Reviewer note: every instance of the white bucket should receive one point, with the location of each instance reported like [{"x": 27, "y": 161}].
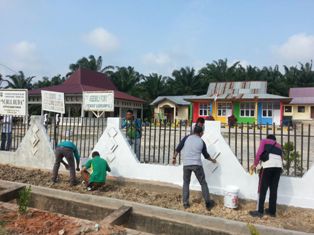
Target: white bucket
[{"x": 231, "y": 199}]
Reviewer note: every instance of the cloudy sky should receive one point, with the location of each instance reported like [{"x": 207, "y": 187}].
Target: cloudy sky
[{"x": 43, "y": 37}]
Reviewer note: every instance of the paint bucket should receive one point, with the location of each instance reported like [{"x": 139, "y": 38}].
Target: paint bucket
[{"x": 231, "y": 198}]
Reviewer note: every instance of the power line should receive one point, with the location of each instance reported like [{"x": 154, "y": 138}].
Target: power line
[{"x": 7, "y": 67}]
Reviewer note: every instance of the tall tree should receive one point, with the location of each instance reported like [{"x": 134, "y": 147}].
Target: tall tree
[
  {"x": 46, "y": 81},
  {"x": 185, "y": 81},
  {"x": 88, "y": 63},
  {"x": 152, "y": 86},
  {"x": 19, "y": 81},
  {"x": 125, "y": 78}
]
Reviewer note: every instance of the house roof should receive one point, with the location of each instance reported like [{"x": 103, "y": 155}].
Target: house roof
[
  {"x": 302, "y": 95},
  {"x": 178, "y": 100},
  {"x": 86, "y": 80},
  {"x": 237, "y": 90}
]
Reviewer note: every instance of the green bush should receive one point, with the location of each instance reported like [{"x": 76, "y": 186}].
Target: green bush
[
  {"x": 292, "y": 160},
  {"x": 24, "y": 198}
]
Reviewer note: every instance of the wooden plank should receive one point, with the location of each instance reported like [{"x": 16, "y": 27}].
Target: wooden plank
[
  {"x": 118, "y": 217},
  {"x": 10, "y": 193}
]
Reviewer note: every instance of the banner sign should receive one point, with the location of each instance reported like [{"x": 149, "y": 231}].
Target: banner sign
[
  {"x": 98, "y": 101},
  {"x": 13, "y": 102},
  {"x": 52, "y": 101}
]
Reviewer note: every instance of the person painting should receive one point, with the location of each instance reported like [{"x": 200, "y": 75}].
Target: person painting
[
  {"x": 270, "y": 155},
  {"x": 69, "y": 151},
  {"x": 99, "y": 167},
  {"x": 191, "y": 147},
  {"x": 200, "y": 122},
  {"x": 133, "y": 131}
]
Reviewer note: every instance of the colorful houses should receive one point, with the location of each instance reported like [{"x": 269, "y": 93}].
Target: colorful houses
[
  {"x": 301, "y": 107},
  {"x": 248, "y": 101}
]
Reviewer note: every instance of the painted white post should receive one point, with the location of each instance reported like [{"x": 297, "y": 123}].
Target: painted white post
[{"x": 114, "y": 122}]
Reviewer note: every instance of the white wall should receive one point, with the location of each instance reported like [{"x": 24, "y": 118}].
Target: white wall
[
  {"x": 35, "y": 151},
  {"x": 113, "y": 145}
]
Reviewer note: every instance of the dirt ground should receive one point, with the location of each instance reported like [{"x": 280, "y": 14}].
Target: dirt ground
[
  {"x": 287, "y": 217},
  {"x": 46, "y": 223}
]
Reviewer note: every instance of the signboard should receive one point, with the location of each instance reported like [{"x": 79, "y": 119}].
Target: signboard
[
  {"x": 13, "y": 102},
  {"x": 98, "y": 101},
  {"x": 52, "y": 101}
]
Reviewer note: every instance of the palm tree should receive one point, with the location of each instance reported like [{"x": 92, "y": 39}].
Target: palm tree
[
  {"x": 125, "y": 78},
  {"x": 186, "y": 82},
  {"x": 88, "y": 63},
  {"x": 153, "y": 86},
  {"x": 19, "y": 81}
]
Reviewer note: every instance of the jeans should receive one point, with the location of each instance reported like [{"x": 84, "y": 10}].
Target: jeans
[
  {"x": 269, "y": 178},
  {"x": 6, "y": 140},
  {"x": 68, "y": 154},
  {"x": 200, "y": 175},
  {"x": 136, "y": 145}
]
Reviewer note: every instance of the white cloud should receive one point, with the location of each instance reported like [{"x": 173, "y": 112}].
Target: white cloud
[
  {"x": 101, "y": 39},
  {"x": 24, "y": 56},
  {"x": 298, "y": 48},
  {"x": 156, "y": 58}
]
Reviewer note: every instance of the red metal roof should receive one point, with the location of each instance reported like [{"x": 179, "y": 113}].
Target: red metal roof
[
  {"x": 87, "y": 80},
  {"x": 301, "y": 92},
  {"x": 302, "y": 95}
]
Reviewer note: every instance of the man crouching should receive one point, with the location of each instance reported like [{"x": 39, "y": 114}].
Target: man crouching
[{"x": 99, "y": 168}]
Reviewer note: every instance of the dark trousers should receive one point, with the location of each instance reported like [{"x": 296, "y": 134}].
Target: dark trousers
[
  {"x": 269, "y": 178},
  {"x": 66, "y": 153},
  {"x": 6, "y": 140},
  {"x": 94, "y": 185},
  {"x": 200, "y": 175}
]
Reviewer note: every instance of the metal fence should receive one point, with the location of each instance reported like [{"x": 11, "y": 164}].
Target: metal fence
[
  {"x": 159, "y": 140},
  {"x": 296, "y": 140},
  {"x": 84, "y": 132},
  {"x": 13, "y": 129}
]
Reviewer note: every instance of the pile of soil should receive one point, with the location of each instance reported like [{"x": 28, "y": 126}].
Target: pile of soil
[
  {"x": 46, "y": 223},
  {"x": 286, "y": 216}
]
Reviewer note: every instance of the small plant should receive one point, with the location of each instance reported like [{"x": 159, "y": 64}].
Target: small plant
[
  {"x": 252, "y": 229},
  {"x": 292, "y": 160},
  {"x": 24, "y": 198}
]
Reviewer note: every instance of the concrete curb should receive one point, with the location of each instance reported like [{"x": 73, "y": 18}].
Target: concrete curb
[{"x": 180, "y": 217}]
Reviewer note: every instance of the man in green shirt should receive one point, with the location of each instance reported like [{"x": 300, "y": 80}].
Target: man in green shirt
[
  {"x": 67, "y": 150},
  {"x": 99, "y": 168}
]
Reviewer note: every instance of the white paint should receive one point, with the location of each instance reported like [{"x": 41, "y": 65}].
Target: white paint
[
  {"x": 123, "y": 162},
  {"x": 276, "y": 116},
  {"x": 35, "y": 151}
]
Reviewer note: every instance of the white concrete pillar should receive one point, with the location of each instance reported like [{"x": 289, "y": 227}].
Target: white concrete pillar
[{"x": 114, "y": 122}]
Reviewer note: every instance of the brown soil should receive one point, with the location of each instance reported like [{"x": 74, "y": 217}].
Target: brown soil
[
  {"x": 287, "y": 217},
  {"x": 46, "y": 223}
]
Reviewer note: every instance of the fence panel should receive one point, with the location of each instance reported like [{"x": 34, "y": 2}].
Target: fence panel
[
  {"x": 13, "y": 129},
  {"x": 83, "y": 132}
]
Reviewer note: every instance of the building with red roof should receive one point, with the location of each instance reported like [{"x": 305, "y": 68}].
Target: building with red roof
[
  {"x": 86, "y": 80},
  {"x": 301, "y": 107}
]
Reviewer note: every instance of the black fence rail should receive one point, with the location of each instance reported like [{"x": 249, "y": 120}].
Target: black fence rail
[
  {"x": 13, "y": 129},
  {"x": 84, "y": 132},
  {"x": 159, "y": 139},
  {"x": 296, "y": 140}
]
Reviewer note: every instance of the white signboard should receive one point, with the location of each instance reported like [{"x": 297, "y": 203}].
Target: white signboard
[
  {"x": 13, "y": 102},
  {"x": 98, "y": 101},
  {"x": 52, "y": 101}
]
